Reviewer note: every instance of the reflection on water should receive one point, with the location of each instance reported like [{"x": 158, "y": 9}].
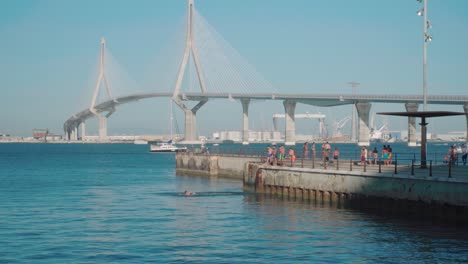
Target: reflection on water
[{"x": 123, "y": 205}]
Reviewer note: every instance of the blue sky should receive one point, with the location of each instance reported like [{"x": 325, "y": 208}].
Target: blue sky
[{"x": 49, "y": 50}]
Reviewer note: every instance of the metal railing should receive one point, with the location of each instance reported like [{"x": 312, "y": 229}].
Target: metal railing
[{"x": 398, "y": 164}]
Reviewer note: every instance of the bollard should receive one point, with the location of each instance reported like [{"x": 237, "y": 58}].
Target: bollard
[
  {"x": 302, "y": 162},
  {"x": 313, "y": 162},
  {"x": 365, "y": 165},
  {"x": 396, "y": 172},
  {"x": 412, "y": 167},
  {"x": 351, "y": 165},
  {"x": 380, "y": 165},
  {"x": 430, "y": 168},
  {"x": 337, "y": 165}
]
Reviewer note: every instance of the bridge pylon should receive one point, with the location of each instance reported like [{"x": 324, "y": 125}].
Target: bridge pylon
[
  {"x": 190, "y": 49},
  {"x": 102, "y": 77}
]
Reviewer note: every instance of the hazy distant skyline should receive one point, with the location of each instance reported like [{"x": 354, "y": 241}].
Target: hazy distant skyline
[{"x": 49, "y": 50}]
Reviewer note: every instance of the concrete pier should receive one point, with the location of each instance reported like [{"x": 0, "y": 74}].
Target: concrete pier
[
  {"x": 363, "y": 110},
  {"x": 411, "y": 107},
  {"x": 431, "y": 197},
  {"x": 290, "y": 130},
  {"x": 245, "y": 121},
  {"x": 229, "y": 166},
  {"x": 377, "y": 188}
]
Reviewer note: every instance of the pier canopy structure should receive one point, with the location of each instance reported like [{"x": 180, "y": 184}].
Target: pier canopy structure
[
  {"x": 423, "y": 115},
  {"x": 222, "y": 73}
]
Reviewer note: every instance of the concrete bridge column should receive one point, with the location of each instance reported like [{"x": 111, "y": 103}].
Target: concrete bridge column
[
  {"x": 102, "y": 128},
  {"x": 83, "y": 130},
  {"x": 363, "y": 110},
  {"x": 72, "y": 133},
  {"x": 465, "y": 107},
  {"x": 290, "y": 131},
  {"x": 190, "y": 125},
  {"x": 66, "y": 133},
  {"x": 245, "y": 122},
  {"x": 75, "y": 133},
  {"x": 411, "y": 107}
]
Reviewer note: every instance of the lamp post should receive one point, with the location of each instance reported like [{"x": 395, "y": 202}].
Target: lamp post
[{"x": 426, "y": 38}]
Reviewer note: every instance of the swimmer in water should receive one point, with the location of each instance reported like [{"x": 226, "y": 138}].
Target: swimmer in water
[{"x": 187, "y": 193}]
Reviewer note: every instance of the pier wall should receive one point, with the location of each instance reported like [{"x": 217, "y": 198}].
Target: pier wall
[
  {"x": 442, "y": 198},
  {"x": 230, "y": 166},
  {"x": 435, "y": 197}
]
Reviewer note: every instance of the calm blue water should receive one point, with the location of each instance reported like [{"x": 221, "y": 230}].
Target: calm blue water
[{"x": 121, "y": 204}]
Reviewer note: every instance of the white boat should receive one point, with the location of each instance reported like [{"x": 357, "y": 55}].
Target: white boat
[{"x": 167, "y": 147}]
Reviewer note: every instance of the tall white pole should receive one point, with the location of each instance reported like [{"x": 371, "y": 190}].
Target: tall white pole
[
  {"x": 172, "y": 117},
  {"x": 425, "y": 39}
]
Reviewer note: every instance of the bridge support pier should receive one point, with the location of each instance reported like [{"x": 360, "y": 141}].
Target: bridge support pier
[
  {"x": 290, "y": 130},
  {"x": 102, "y": 128},
  {"x": 465, "y": 107},
  {"x": 411, "y": 107},
  {"x": 363, "y": 110},
  {"x": 245, "y": 121},
  {"x": 190, "y": 125},
  {"x": 75, "y": 133},
  {"x": 83, "y": 131},
  {"x": 190, "y": 121},
  {"x": 71, "y": 133}
]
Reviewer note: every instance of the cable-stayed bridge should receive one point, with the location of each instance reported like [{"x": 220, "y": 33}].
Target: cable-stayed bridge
[{"x": 221, "y": 73}]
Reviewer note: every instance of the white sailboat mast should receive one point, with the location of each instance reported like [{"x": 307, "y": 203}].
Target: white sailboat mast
[{"x": 172, "y": 118}]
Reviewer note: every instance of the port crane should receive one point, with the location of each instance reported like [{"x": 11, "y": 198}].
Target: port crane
[{"x": 337, "y": 126}]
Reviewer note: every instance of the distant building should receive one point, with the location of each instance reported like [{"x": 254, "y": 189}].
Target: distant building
[
  {"x": 53, "y": 137},
  {"x": 252, "y": 136},
  {"x": 40, "y": 134}
]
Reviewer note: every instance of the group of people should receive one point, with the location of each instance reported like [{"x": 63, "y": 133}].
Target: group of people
[
  {"x": 387, "y": 155},
  {"x": 452, "y": 154},
  {"x": 279, "y": 157}
]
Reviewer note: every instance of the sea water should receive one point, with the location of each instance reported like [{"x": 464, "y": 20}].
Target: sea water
[{"x": 92, "y": 203}]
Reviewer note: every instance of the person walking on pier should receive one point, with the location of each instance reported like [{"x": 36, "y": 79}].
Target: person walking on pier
[
  {"x": 305, "y": 150},
  {"x": 314, "y": 151},
  {"x": 281, "y": 156},
  {"x": 269, "y": 156},
  {"x": 465, "y": 153},
  {"x": 375, "y": 153},
  {"x": 326, "y": 156},
  {"x": 385, "y": 155},
  {"x": 275, "y": 156},
  {"x": 292, "y": 156},
  {"x": 390, "y": 154},
  {"x": 453, "y": 155},
  {"x": 363, "y": 155},
  {"x": 336, "y": 155}
]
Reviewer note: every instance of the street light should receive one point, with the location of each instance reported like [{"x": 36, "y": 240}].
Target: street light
[{"x": 426, "y": 38}]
